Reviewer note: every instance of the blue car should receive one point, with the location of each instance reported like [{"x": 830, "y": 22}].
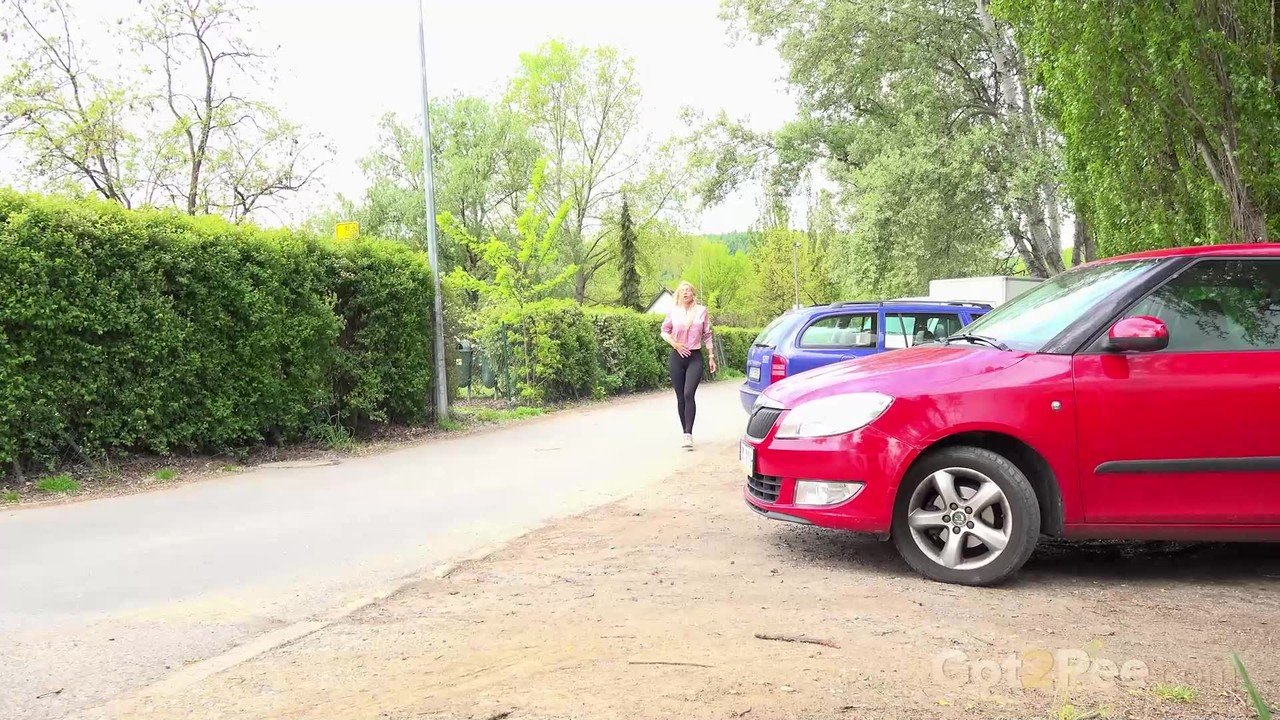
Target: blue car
[{"x": 811, "y": 337}]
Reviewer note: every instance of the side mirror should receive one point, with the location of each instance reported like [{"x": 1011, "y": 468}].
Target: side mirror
[{"x": 1141, "y": 333}]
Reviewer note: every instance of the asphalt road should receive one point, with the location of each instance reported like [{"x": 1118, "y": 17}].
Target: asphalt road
[{"x": 102, "y": 597}]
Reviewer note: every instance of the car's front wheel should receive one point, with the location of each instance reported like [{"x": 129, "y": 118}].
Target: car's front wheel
[{"x": 966, "y": 515}]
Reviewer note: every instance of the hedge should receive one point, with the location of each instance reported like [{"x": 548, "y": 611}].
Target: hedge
[
  {"x": 153, "y": 331},
  {"x": 557, "y": 351},
  {"x": 550, "y": 347}
]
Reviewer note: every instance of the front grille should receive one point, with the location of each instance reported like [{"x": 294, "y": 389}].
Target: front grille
[
  {"x": 764, "y": 487},
  {"x": 762, "y": 421}
]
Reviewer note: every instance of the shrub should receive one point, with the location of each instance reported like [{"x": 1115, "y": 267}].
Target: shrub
[
  {"x": 153, "y": 331},
  {"x": 735, "y": 345},
  {"x": 551, "y": 348},
  {"x": 632, "y": 354}
]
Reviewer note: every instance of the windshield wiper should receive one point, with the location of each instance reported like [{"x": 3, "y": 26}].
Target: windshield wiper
[{"x": 977, "y": 340}]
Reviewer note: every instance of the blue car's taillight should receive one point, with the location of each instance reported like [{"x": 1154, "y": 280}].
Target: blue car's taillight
[{"x": 777, "y": 369}]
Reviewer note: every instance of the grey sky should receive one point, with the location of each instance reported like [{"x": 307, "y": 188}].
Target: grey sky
[{"x": 343, "y": 63}]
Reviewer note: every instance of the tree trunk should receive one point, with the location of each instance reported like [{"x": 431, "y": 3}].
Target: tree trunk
[
  {"x": 1026, "y": 249},
  {"x": 1084, "y": 247},
  {"x": 1038, "y": 234}
]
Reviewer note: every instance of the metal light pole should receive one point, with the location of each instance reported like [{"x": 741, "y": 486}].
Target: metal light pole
[
  {"x": 433, "y": 255},
  {"x": 795, "y": 270}
]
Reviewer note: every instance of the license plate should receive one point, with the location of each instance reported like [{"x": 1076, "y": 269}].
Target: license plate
[
  {"x": 753, "y": 374},
  {"x": 747, "y": 457}
]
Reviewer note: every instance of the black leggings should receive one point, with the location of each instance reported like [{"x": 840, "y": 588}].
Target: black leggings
[{"x": 686, "y": 373}]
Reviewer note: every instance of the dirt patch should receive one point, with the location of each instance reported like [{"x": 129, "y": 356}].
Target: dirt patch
[{"x": 680, "y": 603}]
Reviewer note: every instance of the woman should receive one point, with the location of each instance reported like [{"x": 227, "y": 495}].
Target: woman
[{"x": 686, "y": 329}]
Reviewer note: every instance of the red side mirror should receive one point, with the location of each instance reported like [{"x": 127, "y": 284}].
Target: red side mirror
[{"x": 1141, "y": 333}]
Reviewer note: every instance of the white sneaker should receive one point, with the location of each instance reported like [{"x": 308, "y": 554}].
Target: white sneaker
[{"x": 688, "y": 442}]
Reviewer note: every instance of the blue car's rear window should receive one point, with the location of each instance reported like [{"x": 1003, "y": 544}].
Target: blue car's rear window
[{"x": 774, "y": 331}]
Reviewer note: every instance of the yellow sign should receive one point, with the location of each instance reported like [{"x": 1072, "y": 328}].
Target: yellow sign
[{"x": 347, "y": 230}]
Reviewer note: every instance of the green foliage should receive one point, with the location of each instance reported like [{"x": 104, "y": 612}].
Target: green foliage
[
  {"x": 497, "y": 415},
  {"x": 915, "y": 112},
  {"x": 152, "y": 331},
  {"x": 10, "y": 497},
  {"x": 735, "y": 346},
  {"x": 1169, "y": 111},
  {"x": 165, "y": 474},
  {"x": 62, "y": 484},
  {"x": 773, "y": 285},
  {"x": 632, "y": 353},
  {"x": 552, "y": 349},
  {"x": 1175, "y": 693},
  {"x": 521, "y": 274}
]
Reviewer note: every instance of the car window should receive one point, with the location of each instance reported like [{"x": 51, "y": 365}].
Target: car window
[
  {"x": 841, "y": 331},
  {"x": 1220, "y": 305},
  {"x": 904, "y": 330},
  {"x": 772, "y": 332}
]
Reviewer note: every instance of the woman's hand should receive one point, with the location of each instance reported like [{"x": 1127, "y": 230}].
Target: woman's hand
[
  {"x": 680, "y": 348},
  {"x": 713, "y": 364}
]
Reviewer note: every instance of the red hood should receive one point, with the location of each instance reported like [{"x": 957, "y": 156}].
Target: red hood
[{"x": 900, "y": 373}]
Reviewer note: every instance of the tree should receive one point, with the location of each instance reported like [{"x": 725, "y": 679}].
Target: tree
[
  {"x": 521, "y": 273},
  {"x": 629, "y": 290},
  {"x": 583, "y": 107},
  {"x": 483, "y": 157},
  {"x": 1169, "y": 111},
  {"x": 778, "y": 260},
  {"x": 182, "y": 134},
  {"x": 938, "y": 84}
]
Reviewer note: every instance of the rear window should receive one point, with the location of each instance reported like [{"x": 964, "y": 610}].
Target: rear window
[{"x": 773, "y": 332}]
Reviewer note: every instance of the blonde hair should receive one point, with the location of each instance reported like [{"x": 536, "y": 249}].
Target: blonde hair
[{"x": 680, "y": 289}]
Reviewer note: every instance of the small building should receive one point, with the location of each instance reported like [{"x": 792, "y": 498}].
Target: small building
[{"x": 663, "y": 303}]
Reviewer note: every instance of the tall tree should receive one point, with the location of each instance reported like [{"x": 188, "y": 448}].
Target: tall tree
[
  {"x": 583, "y": 106},
  {"x": 182, "y": 131},
  {"x": 629, "y": 289},
  {"x": 915, "y": 103},
  {"x": 483, "y": 157},
  {"x": 1169, "y": 111}
]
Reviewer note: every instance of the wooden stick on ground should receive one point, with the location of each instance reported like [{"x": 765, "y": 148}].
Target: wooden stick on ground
[
  {"x": 661, "y": 662},
  {"x": 797, "y": 639}
]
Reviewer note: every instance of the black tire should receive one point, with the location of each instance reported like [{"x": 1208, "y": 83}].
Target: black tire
[{"x": 1024, "y": 516}]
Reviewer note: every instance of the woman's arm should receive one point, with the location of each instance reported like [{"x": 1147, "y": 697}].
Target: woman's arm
[{"x": 708, "y": 340}]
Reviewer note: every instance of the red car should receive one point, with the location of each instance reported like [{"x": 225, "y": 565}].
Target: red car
[{"x": 1131, "y": 398}]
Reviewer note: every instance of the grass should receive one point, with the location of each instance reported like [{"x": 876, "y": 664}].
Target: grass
[
  {"x": 451, "y": 425},
  {"x": 1260, "y": 706},
  {"x": 494, "y": 415},
  {"x": 1067, "y": 711},
  {"x": 63, "y": 483},
  {"x": 9, "y": 497},
  {"x": 231, "y": 468},
  {"x": 165, "y": 474},
  {"x": 1175, "y": 693},
  {"x": 335, "y": 438}
]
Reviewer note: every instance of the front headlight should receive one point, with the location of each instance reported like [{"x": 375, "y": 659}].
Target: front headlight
[{"x": 834, "y": 415}]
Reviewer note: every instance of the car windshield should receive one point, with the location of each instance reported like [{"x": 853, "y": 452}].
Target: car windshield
[{"x": 1031, "y": 320}]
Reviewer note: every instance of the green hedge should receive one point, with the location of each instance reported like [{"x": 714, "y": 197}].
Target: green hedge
[
  {"x": 551, "y": 349},
  {"x": 735, "y": 345},
  {"x": 156, "y": 332},
  {"x": 632, "y": 355},
  {"x": 556, "y": 351}
]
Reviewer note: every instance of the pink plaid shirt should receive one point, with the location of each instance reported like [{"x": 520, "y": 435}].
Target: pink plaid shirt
[{"x": 691, "y": 332}]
